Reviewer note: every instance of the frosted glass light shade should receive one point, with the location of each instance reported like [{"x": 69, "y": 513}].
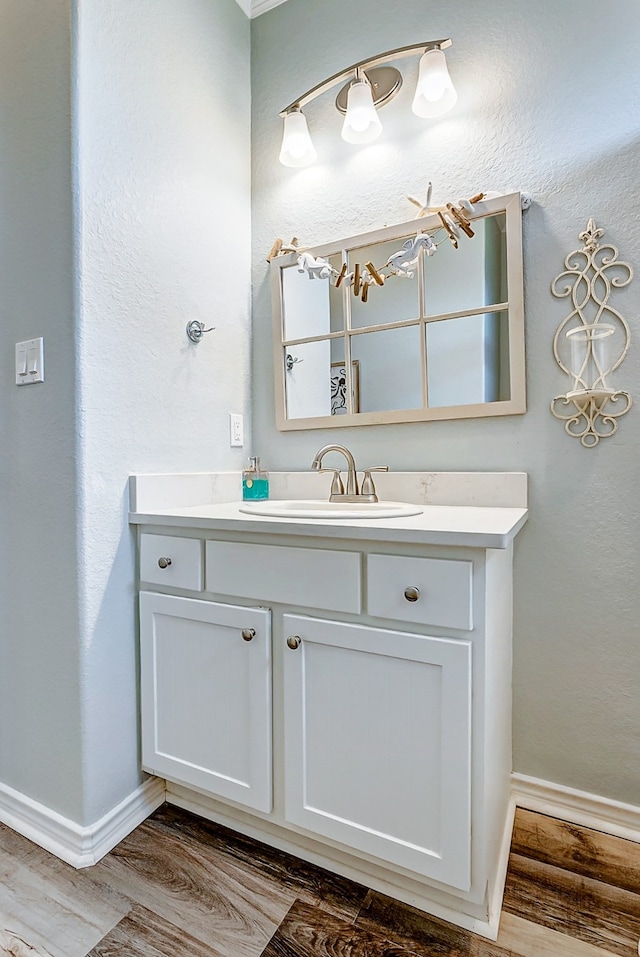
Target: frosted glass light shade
[
  {"x": 361, "y": 123},
  {"x": 435, "y": 93},
  {"x": 297, "y": 148}
]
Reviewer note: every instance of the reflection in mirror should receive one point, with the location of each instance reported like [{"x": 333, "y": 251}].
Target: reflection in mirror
[
  {"x": 389, "y": 369},
  {"x": 311, "y": 307},
  {"x": 472, "y": 276},
  {"x": 454, "y": 342},
  {"x": 468, "y": 360},
  {"x": 308, "y": 392},
  {"x": 393, "y": 302},
  {"x": 339, "y": 378}
]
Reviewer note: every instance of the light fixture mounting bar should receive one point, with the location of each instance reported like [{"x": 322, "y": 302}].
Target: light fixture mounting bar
[{"x": 344, "y": 75}]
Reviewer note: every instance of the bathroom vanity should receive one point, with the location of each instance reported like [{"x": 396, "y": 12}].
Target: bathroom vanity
[{"x": 338, "y": 688}]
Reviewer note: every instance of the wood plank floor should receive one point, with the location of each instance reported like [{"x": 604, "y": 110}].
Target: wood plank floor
[{"x": 180, "y": 886}]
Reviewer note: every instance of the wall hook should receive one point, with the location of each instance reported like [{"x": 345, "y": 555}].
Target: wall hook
[
  {"x": 196, "y": 330},
  {"x": 290, "y": 361}
]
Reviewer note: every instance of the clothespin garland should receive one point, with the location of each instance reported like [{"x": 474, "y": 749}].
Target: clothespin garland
[
  {"x": 452, "y": 230},
  {"x": 356, "y": 279},
  {"x": 375, "y": 275},
  {"x": 400, "y": 263},
  {"x": 454, "y": 221},
  {"x": 369, "y": 276},
  {"x": 461, "y": 219},
  {"x": 280, "y": 248},
  {"x": 341, "y": 276},
  {"x": 315, "y": 267},
  {"x": 467, "y": 204},
  {"x": 275, "y": 250}
]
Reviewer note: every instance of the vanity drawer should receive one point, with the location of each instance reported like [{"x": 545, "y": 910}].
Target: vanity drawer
[
  {"x": 429, "y": 591},
  {"x": 183, "y": 554},
  {"x": 308, "y": 577}
]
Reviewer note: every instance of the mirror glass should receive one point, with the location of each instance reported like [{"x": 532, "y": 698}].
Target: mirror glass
[
  {"x": 468, "y": 360},
  {"x": 310, "y": 307},
  {"x": 441, "y": 337},
  {"x": 474, "y": 275},
  {"x": 393, "y": 302},
  {"x": 308, "y": 385},
  {"x": 390, "y": 373}
]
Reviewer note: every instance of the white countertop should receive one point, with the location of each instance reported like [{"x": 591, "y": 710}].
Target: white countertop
[{"x": 461, "y": 525}]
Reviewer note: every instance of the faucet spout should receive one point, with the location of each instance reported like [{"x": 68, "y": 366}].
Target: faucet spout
[{"x": 352, "y": 478}]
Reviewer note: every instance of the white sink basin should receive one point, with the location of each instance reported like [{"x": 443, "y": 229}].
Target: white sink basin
[{"x": 316, "y": 508}]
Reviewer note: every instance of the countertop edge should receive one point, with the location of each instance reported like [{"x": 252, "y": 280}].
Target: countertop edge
[{"x": 314, "y": 528}]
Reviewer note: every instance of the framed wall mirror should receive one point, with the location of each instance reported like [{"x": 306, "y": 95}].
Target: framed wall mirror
[{"x": 444, "y": 341}]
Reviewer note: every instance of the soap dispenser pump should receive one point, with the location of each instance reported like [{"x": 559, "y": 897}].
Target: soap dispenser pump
[{"x": 255, "y": 482}]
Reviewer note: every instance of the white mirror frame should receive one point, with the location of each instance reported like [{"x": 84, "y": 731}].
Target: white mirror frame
[{"x": 510, "y": 205}]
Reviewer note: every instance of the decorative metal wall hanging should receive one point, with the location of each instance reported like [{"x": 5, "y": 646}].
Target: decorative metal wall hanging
[{"x": 592, "y": 341}]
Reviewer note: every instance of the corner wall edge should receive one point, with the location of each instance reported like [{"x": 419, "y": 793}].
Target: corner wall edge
[{"x": 72, "y": 843}]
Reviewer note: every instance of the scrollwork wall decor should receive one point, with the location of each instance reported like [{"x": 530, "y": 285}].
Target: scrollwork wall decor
[{"x": 592, "y": 341}]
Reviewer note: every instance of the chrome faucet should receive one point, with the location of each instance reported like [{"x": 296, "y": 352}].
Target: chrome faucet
[{"x": 353, "y": 492}]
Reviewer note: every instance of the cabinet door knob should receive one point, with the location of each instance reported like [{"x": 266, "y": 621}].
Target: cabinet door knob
[
  {"x": 164, "y": 562},
  {"x": 411, "y": 593},
  {"x": 248, "y": 633},
  {"x": 293, "y": 641}
]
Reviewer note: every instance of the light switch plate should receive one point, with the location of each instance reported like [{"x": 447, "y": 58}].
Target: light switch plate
[
  {"x": 236, "y": 430},
  {"x": 30, "y": 361}
]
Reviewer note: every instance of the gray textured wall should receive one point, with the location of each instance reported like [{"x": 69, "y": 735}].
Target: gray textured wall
[
  {"x": 164, "y": 182},
  {"x": 124, "y": 180},
  {"x": 548, "y": 103},
  {"x": 40, "y": 734}
]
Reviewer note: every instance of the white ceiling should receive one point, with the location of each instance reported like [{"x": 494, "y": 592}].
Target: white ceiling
[{"x": 253, "y": 8}]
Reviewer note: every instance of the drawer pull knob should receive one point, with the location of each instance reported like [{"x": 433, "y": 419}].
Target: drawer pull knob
[
  {"x": 248, "y": 633},
  {"x": 411, "y": 593},
  {"x": 293, "y": 641},
  {"x": 164, "y": 562}
]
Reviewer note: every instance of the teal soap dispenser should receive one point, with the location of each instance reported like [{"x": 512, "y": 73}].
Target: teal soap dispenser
[{"x": 255, "y": 482}]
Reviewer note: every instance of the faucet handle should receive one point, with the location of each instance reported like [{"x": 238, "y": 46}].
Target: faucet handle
[
  {"x": 337, "y": 488},
  {"x": 367, "y": 487}
]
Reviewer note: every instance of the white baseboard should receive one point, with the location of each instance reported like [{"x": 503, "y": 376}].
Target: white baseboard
[
  {"x": 77, "y": 845},
  {"x": 84, "y": 846},
  {"x": 577, "y": 807}
]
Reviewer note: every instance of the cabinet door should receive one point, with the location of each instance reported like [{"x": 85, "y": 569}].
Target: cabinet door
[
  {"x": 206, "y": 696},
  {"x": 378, "y": 744}
]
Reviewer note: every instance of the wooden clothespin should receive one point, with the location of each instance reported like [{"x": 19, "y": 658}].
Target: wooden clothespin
[
  {"x": 452, "y": 236},
  {"x": 279, "y": 248},
  {"x": 356, "y": 279},
  {"x": 341, "y": 275},
  {"x": 461, "y": 219},
  {"x": 365, "y": 291},
  {"x": 477, "y": 198},
  {"x": 291, "y": 247},
  {"x": 375, "y": 275},
  {"x": 275, "y": 250}
]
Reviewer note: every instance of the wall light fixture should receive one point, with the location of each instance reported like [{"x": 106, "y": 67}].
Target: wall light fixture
[{"x": 370, "y": 84}]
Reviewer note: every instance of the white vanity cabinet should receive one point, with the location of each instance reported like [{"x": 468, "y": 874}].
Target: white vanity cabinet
[
  {"x": 344, "y": 697},
  {"x": 206, "y": 696},
  {"x": 378, "y": 743}
]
